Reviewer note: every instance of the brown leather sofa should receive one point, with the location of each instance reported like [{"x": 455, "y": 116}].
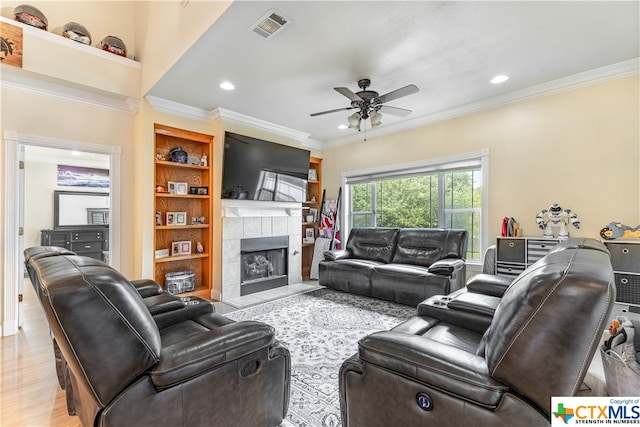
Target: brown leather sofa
[
  {"x": 403, "y": 265},
  {"x": 442, "y": 367},
  {"x": 194, "y": 368}
]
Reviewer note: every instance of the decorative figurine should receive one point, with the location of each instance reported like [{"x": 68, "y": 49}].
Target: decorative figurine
[
  {"x": 618, "y": 230},
  {"x": 196, "y": 220},
  {"x": 203, "y": 160},
  {"x": 556, "y": 217},
  {"x": 199, "y": 248}
]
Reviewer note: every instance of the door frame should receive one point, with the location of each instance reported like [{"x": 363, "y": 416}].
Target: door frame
[{"x": 12, "y": 268}]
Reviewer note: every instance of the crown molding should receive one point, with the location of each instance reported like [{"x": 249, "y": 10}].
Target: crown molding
[
  {"x": 194, "y": 113},
  {"x": 243, "y": 119},
  {"x": 13, "y": 78},
  {"x": 576, "y": 81},
  {"x": 180, "y": 110}
]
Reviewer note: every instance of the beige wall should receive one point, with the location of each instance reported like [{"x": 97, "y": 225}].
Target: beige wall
[
  {"x": 39, "y": 180},
  {"x": 53, "y": 118},
  {"x": 172, "y": 26},
  {"x": 579, "y": 148}
]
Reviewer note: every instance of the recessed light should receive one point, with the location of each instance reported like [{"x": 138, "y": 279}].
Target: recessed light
[
  {"x": 227, "y": 86},
  {"x": 499, "y": 79},
  {"x": 342, "y": 126}
]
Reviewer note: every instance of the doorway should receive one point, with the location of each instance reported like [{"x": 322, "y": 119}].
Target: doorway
[{"x": 17, "y": 230}]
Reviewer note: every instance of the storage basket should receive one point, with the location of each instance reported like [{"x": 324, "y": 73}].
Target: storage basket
[{"x": 177, "y": 282}]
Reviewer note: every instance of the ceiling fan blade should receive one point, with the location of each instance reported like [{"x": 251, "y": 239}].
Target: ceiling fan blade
[
  {"x": 332, "y": 111},
  {"x": 348, "y": 93},
  {"x": 395, "y": 111},
  {"x": 399, "y": 93}
]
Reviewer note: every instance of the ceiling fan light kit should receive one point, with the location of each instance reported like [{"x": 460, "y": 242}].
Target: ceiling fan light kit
[{"x": 370, "y": 104}]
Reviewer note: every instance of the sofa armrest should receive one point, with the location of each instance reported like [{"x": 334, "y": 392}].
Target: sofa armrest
[
  {"x": 466, "y": 314},
  {"x": 433, "y": 363},
  {"x": 446, "y": 266},
  {"x": 191, "y": 309},
  {"x": 337, "y": 255},
  {"x": 162, "y": 303},
  {"x": 147, "y": 287},
  {"x": 194, "y": 356},
  {"x": 488, "y": 284}
]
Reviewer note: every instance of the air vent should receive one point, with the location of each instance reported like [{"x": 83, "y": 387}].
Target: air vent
[{"x": 269, "y": 24}]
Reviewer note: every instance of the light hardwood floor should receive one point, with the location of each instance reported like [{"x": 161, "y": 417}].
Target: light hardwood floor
[{"x": 29, "y": 392}]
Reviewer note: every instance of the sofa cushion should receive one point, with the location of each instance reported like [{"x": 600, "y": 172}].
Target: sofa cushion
[
  {"x": 406, "y": 284},
  {"x": 376, "y": 244},
  {"x": 347, "y": 275},
  {"x": 423, "y": 246}
]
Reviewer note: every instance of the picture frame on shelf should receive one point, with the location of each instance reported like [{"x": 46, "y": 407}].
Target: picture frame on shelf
[
  {"x": 309, "y": 235},
  {"x": 176, "y": 218},
  {"x": 182, "y": 188},
  {"x": 175, "y": 248},
  {"x": 314, "y": 213},
  {"x": 313, "y": 175},
  {"x": 180, "y": 218},
  {"x": 185, "y": 248},
  {"x": 171, "y": 187},
  {"x": 200, "y": 191},
  {"x": 162, "y": 253},
  {"x": 181, "y": 248}
]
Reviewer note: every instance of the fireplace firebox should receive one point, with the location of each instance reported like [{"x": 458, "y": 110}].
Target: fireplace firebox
[{"x": 263, "y": 264}]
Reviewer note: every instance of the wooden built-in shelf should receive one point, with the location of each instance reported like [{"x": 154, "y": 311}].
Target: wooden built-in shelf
[
  {"x": 178, "y": 227},
  {"x": 182, "y": 196},
  {"x": 314, "y": 189},
  {"x": 177, "y": 258},
  {"x": 194, "y": 205},
  {"x": 180, "y": 165}
]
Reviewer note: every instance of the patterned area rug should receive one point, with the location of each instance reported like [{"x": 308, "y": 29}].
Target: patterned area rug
[{"x": 321, "y": 329}]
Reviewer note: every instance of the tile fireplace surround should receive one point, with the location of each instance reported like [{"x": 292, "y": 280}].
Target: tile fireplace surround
[{"x": 247, "y": 219}]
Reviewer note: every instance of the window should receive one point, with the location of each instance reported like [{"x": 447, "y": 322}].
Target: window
[{"x": 444, "y": 193}]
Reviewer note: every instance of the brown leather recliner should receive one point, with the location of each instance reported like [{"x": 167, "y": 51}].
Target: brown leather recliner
[
  {"x": 193, "y": 369},
  {"x": 540, "y": 342},
  {"x": 164, "y": 307}
]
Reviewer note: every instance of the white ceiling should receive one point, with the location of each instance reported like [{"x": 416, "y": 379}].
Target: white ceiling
[{"x": 450, "y": 50}]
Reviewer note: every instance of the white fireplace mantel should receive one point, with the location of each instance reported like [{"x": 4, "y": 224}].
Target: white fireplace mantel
[
  {"x": 249, "y": 219},
  {"x": 233, "y": 208}
]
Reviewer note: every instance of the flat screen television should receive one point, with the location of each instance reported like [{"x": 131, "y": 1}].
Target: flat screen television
[{"x": 254, "y": 169}]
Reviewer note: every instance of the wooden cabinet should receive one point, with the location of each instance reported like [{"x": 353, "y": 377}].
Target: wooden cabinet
[
  {"x": 515, "y": 254},
  {"x": 311, "y": 208},
  {"x": 183, "y": 207},
  {"x": 87, "y": 241}
]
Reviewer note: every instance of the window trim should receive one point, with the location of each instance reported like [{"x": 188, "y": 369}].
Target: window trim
[{"x": 436, "y": 164}]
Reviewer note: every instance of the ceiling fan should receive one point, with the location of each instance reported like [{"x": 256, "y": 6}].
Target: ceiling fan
[{"x": 370, "y": 104}]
